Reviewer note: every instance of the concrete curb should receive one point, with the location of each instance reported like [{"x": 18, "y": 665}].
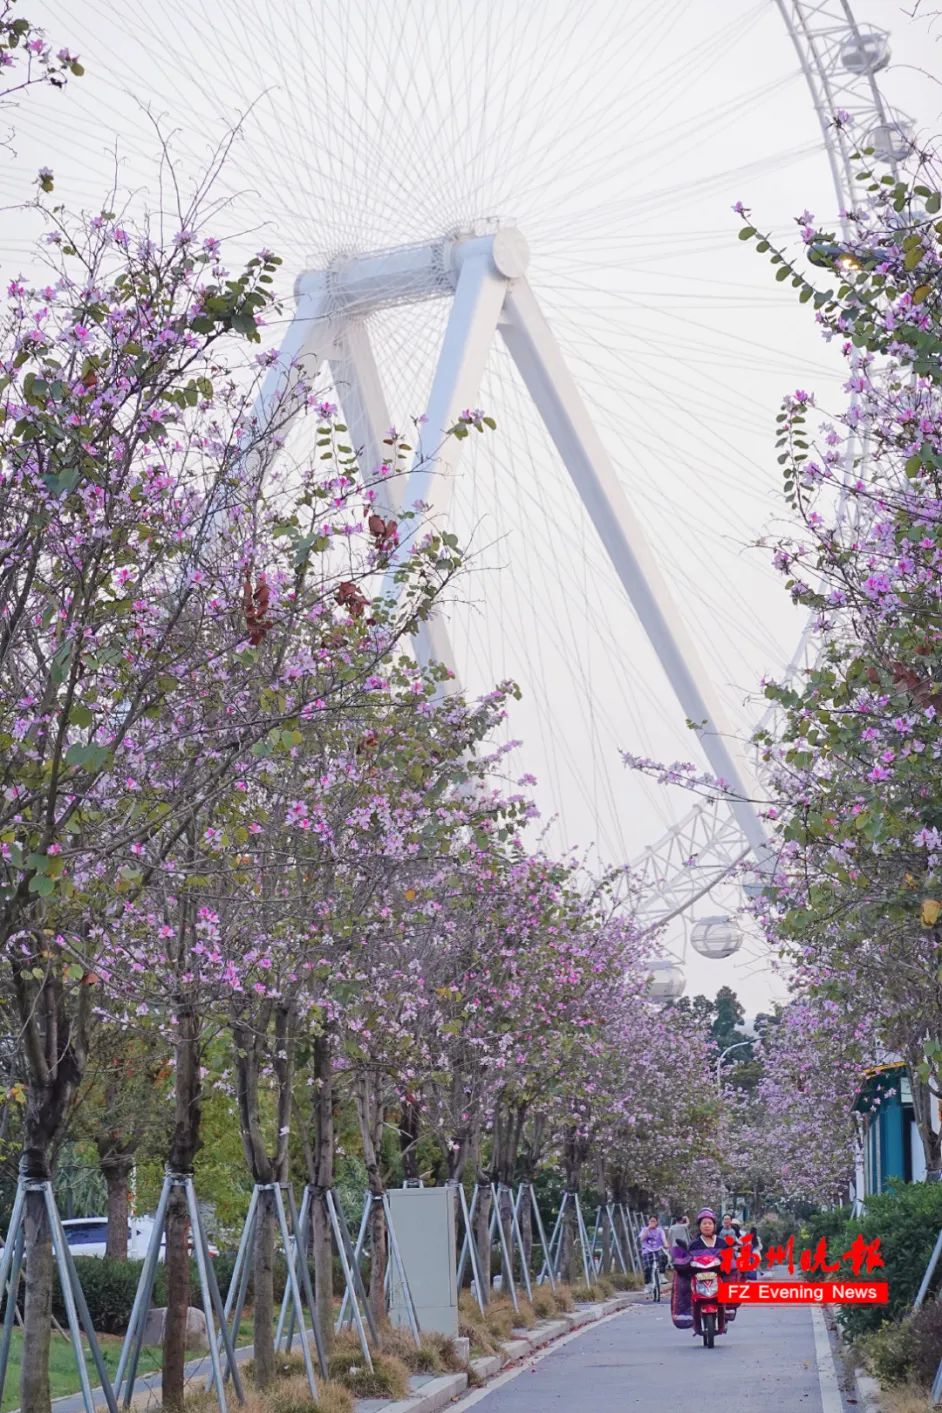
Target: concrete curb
[
  {"x": 438, "y": 1393},
  {"x": 868, "y": 1392}
]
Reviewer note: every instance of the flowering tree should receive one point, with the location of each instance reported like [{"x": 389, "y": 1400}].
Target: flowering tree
[
  {"x": 854, "y": 754},
  {"x": 173, "y": 612},
  {"x": 796, "y": 1137}
]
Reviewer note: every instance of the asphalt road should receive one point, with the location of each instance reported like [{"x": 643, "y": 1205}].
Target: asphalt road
[{"x": 772, "y": 1357}]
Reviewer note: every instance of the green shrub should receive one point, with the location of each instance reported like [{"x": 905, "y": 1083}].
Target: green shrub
[
  {"x": 109, "y": 1288},
  {"x": 889, "y": 1351},
  {"x": 837, "y": 1225},
  {"x": 909, "y": 1350},
  {"x": 907, "y": 1220}
]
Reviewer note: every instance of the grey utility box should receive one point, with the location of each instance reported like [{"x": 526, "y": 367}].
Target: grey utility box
[{"x": 424, "y": 1223}]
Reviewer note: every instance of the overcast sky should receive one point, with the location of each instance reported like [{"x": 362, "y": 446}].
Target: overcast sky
[{"x": 617, "y": 136}]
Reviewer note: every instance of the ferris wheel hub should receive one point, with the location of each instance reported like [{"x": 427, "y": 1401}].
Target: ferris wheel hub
[{"x": 410, "y": 274}]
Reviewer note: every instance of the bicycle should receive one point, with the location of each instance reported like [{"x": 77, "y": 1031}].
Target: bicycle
[{"x": 655, "y": 1274}]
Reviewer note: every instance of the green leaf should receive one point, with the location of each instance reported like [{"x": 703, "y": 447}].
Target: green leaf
[
  {"x": 92, "y": 757},
  {"x": 747, "y": 233}
]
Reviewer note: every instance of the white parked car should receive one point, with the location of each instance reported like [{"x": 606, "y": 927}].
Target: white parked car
[{"x": 88, "y": 1236}]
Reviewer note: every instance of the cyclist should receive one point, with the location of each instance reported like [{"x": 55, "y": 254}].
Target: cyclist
[
  {"x": 679, "y": 1231},
  {"x": 653, "y": 1248}
]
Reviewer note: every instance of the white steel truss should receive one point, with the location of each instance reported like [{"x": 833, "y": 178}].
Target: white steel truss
[{"x": 484, "y": 276}]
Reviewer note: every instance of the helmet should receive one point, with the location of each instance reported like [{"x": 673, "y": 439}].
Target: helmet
[{"x": 706, "y": 1212}]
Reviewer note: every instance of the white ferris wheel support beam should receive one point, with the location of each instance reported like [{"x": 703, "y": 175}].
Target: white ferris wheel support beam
[{"x": 556, "y": 396}]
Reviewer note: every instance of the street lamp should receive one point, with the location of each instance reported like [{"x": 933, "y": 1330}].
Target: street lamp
[
  {"x": 719, "y": 1064},
  {"x": 719, "y": 1084}
]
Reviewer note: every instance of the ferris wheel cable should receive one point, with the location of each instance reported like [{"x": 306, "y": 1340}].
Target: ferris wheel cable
[
  {"x": 629, "y": 692},
  {"x": 662, "y": 316}
]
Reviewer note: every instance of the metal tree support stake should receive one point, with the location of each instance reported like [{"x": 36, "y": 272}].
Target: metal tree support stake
[
  {"x": 343, "y": 1317},
  {"x": 631, "y": 1237},
  {"x": 352, "y": 1277},
  {"x": 583, "y": 1240},
  {"x": 518, "y": 1237},
  {"x": 238, "y": 1284},
  {"x": 551, "y": 1261},
  {"x": 597, "y": 1264},
  {"x": 541, "y": 1231},
  {"x": 468, "y": 1246},
  {"x": 616, "y": 1241},
  {"x": 929, "y": 1273},
  {"x": 496, "y": 1228},
  {"x": 209, "y": 1290},
  {"x": 297, "y": 1284},
  {"x": 78, "y": 1318}
]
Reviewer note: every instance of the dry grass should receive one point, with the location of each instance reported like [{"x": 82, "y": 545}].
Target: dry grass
[
  {"x": 333, "y": 1398},
  {"x": 526, "y": 1317},
  {"x": 598, "y": 1290},
  {"x": 287, "y": 1366},
  {"x": 290, "y": 1394},
  {"x": 473, "y": 1326},
  {"x": 630, "y": 1281},
  {"x": 905, "y": 1398},
  {"x": 544, "y": 1303},
  {"x": 389, "y": 1379},
  {"x": 435, "y": 1354},
  {"x": 563, "y": 1298},
  {"x": 294, "y": 1396}
]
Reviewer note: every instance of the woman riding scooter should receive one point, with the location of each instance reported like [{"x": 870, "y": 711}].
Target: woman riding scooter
[{"x": 684, "y": 1310}]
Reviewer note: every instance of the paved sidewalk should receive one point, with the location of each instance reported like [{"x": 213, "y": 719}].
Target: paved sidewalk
[{"x": 773, "y": 1358}]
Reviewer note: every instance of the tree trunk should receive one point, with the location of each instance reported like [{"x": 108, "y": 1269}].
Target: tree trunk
[
  {"x": 482, "y": 1236},
  {"x": 505, "y": 1217},
  {"x": 379, "y": 1250},
  {"x": 37, "y": 1309},
  {"x": 526, "y": 1223},
  {"x": 409, "y": 1138},
  {"x": 574, "y": 1156},
  {"x": 254, "y": 1046},
  {"x": 178, "y": 1300},
  {"x": 54, "y": 1044},
  {"x": 263, "y": 1291},
  {"x": 183, "y": 1149},
  {"x": 322, "y": 1182},
  {"x": 117, "y": 1175},
  {"x": 370, "y": 1112}
]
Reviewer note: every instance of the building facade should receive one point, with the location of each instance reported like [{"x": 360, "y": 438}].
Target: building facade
[{"x": 890, "y": 1146}]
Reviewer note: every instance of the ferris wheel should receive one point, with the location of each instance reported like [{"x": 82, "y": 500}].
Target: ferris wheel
[{"x": 561, "y": 176}]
